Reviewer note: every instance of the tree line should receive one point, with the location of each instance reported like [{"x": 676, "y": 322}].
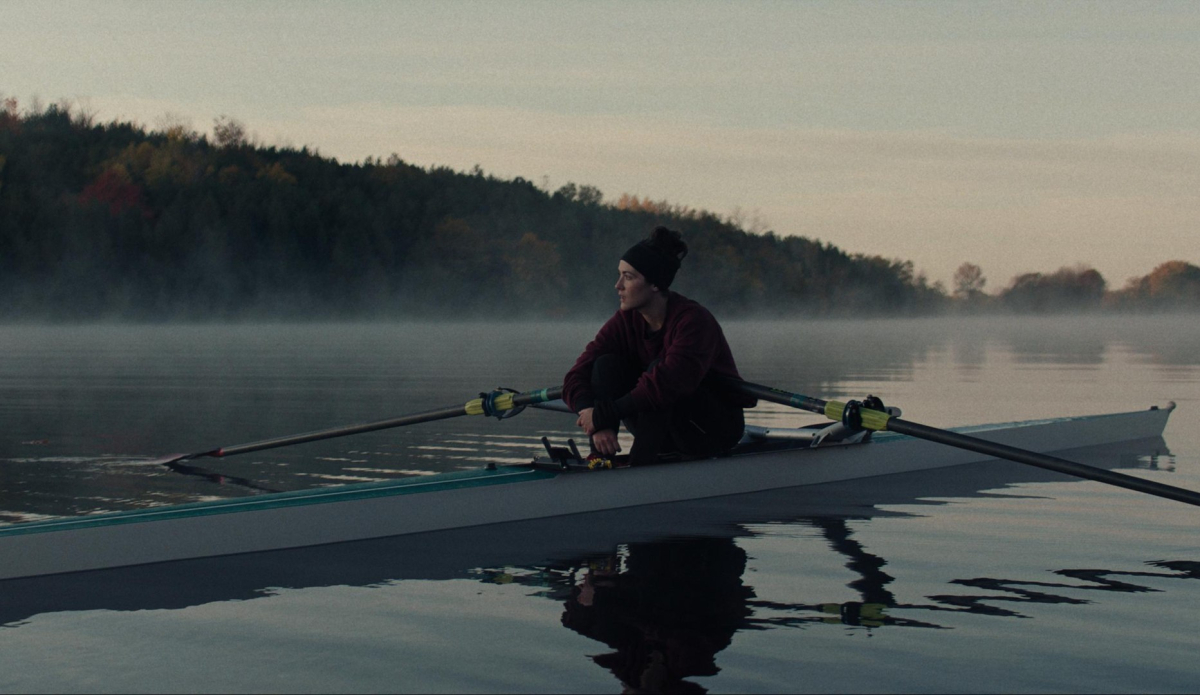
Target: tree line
[
  {"x": 118, "y": 221},
  {"x": 1171, "y": 286}
]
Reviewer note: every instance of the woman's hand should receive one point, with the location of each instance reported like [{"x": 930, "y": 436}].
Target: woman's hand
[
  {"x": 605, "y": 441},
  {"x": 585, "y": 421}
]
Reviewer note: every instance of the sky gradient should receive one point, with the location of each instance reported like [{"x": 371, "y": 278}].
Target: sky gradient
[{"x": 1017, "y": 136}]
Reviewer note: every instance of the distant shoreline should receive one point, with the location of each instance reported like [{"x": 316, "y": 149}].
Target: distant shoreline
[{"x": 114, "y": 222}]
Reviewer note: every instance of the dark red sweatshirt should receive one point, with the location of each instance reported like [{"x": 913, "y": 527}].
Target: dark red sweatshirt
[{"x": 690, "y": 345}]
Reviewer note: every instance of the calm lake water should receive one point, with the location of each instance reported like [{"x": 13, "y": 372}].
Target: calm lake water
[{"x": 987, "y": 578}]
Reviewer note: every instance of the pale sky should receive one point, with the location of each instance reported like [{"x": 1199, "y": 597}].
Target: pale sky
[{"x": 1017, "y": 136}]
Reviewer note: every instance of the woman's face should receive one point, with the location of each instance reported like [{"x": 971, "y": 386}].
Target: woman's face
[{"x": 632, "y": 288}]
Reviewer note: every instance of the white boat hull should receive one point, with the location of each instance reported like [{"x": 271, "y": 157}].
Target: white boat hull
[{"x": 408, "y": 506}]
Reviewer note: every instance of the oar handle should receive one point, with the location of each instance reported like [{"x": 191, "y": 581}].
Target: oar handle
[{"x": 774, "y": 395}]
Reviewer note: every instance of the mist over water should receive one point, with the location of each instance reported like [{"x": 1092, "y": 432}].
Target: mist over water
[
  {"x": 85, "y": 406},
  {"x": 1000, "y": 577}
]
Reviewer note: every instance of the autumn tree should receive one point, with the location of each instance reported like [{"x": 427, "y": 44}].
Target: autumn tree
[
  {"x": 1066, "y": 289},
  {"x": 229, "y": 132},
  {"x": 1176, "y": 283},
  {"x": 968, "y": 281},
  {"x": 1172, "y": 285},
  {"x": 589, "y": 195}
]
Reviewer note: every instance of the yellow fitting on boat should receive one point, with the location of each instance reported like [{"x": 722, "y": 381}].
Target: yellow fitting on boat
[
  {"x": 871, "y": 419},
  {"x": 875, "y": 419},
  {"x": 501, "y": 403},
  {"x": 596, "y": 461}
]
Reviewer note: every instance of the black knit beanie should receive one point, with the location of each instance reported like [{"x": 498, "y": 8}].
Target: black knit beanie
[{"x": 658, "y": 257}]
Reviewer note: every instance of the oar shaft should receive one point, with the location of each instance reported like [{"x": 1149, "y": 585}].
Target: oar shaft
[
  {"x": 877, "y": 420},
  {"x": 414, "y": 419},
  {"x": 1032, "y": 458},
  {"x": 774, "y": 395},
  {"x": 474, "y": 407}
]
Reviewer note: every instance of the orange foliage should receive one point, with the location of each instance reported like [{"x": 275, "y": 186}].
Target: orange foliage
[
  {"x": 632, "y": 203},
  {"x": 1174, "y": 282},
  {"x": 113, "y": 188},
  {"x": 9, "y": 118},
  {"x": 276, "y": 174}
]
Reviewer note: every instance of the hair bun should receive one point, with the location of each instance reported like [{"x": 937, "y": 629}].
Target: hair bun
[{"x": 669, "y": 242}]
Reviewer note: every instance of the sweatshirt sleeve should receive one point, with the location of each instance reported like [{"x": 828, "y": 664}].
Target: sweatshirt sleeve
[
  {"x": 577, "y": 384},
  {"x": 689, "y": 350}
]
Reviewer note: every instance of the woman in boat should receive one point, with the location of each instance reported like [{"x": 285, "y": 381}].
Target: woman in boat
[{"x": 656, "y": 366}]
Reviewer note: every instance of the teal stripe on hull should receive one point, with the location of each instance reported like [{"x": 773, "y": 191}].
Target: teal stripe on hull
[
  {"x": 341, "y": 493},
  {"x": 405, "y": 486}
]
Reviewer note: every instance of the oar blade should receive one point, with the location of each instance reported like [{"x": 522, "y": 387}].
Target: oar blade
[{"x": 171, "y": 458}]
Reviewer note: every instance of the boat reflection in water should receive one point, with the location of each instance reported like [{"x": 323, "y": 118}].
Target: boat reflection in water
[
  {"x": 665, "y": 609},
  {"x": 664, "y": 588}
]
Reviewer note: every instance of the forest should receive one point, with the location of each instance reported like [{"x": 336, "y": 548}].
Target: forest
[{"x": 117, "y": 221}]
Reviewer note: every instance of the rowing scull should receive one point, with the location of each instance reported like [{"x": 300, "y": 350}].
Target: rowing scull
[{"x": 498, "y": 494}]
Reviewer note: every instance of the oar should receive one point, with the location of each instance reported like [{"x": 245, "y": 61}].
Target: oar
[
  {"x": 879, "y": 420},
  {"x": 495, "y": 403}
]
